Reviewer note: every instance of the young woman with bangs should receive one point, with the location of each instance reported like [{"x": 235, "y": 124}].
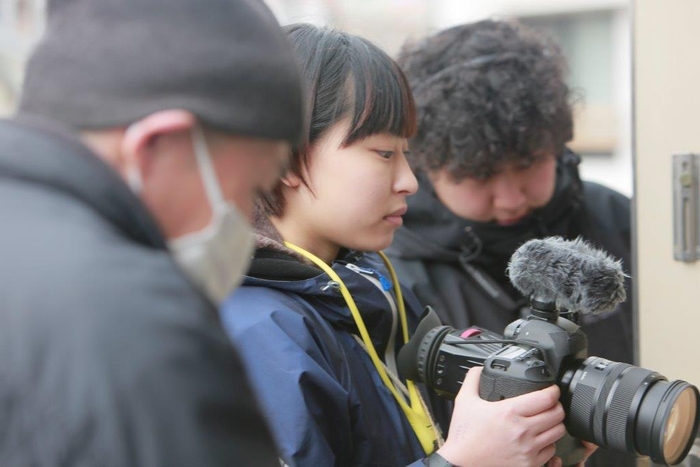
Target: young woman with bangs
[{"x": 321, "y": 316}]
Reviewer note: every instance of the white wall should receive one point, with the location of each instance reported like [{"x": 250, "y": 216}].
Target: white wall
[{"x": 666, "y": 98}]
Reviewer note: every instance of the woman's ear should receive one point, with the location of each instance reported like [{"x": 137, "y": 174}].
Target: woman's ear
[{"x": 291, "y": 180}]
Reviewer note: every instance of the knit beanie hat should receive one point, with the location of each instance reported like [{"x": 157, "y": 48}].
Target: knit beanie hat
[{"x": 108, "y": 63}]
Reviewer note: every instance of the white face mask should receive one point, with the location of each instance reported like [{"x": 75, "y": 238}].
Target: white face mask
[{"x": 216, "y": 257}]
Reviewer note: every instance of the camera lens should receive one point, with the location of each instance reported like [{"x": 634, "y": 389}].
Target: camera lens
[
  {"x": 680, "y": 422},
  {"x": 668, "y": 420},
  {"x": 628, "y": 408}
]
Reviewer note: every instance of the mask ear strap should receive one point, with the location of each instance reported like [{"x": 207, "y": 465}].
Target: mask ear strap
[
  {"x": 134, "y": 179},
  {"x": 206, "y": 168},
  {"x": 132, "y": 172}
]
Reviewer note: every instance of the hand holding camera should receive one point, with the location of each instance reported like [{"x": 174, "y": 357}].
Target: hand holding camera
[{"x": 522, "y": 431}]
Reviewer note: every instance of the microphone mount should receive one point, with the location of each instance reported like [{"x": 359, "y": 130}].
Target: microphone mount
[{"x": 544, "y": 309}]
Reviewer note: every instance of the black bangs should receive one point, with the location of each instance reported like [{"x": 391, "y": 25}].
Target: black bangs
[
  {"x": 346, "y": 77},
  {"x": 380, "y": 100}
]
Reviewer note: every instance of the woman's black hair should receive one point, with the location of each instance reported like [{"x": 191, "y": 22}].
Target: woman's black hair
[
  {"x": 487, "y": 93},
  {"x": 346, "y": 77}
]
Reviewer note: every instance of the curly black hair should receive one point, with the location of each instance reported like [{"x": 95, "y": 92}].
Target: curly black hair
[{"x": 486, "y": 93}]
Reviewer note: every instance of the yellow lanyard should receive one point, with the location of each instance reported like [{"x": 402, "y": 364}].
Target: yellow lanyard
[{"x": 416, "y": 413}]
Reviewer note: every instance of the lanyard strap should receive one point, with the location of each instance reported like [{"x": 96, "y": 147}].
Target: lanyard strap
[{"x": 416, "y": 413}]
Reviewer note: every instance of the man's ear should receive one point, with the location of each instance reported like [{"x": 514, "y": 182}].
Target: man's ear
[{"x": 139, "y": 139}]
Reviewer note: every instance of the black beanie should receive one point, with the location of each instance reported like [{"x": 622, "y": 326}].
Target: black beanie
[{"x": 108, "y": 63}]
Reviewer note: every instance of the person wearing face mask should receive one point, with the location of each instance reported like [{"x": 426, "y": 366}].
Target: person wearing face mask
[
  {"x": 127, "y": 178},
  {"x": 217, "y": 256},
  {"x": 494, "y": 117}
]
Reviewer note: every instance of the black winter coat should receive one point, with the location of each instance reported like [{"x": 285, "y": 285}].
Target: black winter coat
[{"x": 108, "y": 355}]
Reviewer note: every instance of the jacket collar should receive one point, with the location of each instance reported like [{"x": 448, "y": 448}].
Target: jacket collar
[
  {"x": 432, "y": 232},
  {"x": 275, "y": 266},
  {"x": 46, "y": 154}
]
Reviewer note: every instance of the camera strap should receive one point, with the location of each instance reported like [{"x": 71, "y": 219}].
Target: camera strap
[{"x": 416, "y": 412}]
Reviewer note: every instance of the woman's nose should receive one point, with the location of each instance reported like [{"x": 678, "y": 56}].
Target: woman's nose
[{"x": 405, "y": 181}]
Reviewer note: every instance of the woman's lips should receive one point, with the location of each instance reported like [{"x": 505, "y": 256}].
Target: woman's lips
[
  {"x": 394, "y": 220},
  {"x": 395, "y": 217}
]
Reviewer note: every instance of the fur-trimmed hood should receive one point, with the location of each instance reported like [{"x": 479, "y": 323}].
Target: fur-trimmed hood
[{"x": 276, "y": 267}]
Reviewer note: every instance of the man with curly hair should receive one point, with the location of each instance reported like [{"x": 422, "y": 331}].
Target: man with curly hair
[{"x": 494, "y": 171}]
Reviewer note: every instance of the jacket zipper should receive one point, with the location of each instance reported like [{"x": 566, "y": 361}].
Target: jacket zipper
[{"x": 384, "y": 285}]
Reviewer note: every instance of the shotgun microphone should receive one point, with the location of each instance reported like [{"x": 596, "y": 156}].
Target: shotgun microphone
[{"x": 571, "y": 274}]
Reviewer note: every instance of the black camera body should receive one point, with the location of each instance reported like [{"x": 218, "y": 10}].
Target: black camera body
[
  {"x": 614, "y": 405},
  {"x": 508, "y": 370},
  {"x": 541, "y": 345},
  {"x": 529, "y": 356}
]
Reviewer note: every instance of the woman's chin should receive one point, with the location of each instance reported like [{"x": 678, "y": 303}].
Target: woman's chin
[{"x": 374, "y": 244}]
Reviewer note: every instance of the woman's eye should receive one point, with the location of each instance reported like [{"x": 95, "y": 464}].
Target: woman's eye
[{"x": 385, "y": 154}]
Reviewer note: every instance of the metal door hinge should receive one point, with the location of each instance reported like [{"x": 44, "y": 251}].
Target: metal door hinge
[{"x": 686, "y": 207}]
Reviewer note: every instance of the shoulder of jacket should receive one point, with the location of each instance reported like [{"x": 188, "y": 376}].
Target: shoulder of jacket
[
  {"x": 595, "y": 193},
  {"x": 607, "y": 206},
  {"x": 255, "y": 305}
]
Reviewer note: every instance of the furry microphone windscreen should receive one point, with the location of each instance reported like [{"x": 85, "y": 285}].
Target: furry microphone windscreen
[{"x": 571, "y": 273}]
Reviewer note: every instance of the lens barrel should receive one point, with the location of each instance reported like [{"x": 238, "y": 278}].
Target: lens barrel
[{"x": 630, "y": 409}]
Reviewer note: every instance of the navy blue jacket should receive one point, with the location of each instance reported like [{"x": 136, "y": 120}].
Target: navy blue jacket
[{"x": 322, "y": 395}]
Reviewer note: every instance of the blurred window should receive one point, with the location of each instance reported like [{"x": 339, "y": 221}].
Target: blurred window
[{"x": 585, "y": 39}]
